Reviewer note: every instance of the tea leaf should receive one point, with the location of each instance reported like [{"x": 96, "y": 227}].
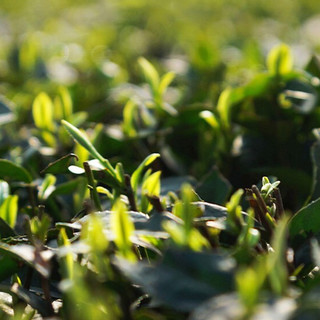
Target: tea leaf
[
  {"x": 42, "y": 111},
  {"x": 280, "y": 60},
  {"x": 123, "y": 228},
  {"x": 4, "y": 191},
  {"x": 60, "y": 165},
  {"x": 12, "y": 171},
  {"x": 137, "y": 174},
  {"x": 9, "y": 210},
  {"x": 83, "y": 140},
  {"x": 150, "y": 73}
]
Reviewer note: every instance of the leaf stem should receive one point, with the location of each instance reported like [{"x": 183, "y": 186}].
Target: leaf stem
[
  {"x": 129, "y": 193},
  {"x": 262, "y": 209},
  {"x": 92, "y": 186}
]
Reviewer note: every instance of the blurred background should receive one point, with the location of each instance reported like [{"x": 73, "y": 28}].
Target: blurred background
[
  {"x": 92, "y": 49},
  {"x": 92, "y": 44}
]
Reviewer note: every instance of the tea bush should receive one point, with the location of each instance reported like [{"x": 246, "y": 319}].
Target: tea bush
[{"x": 132, "y": 190}]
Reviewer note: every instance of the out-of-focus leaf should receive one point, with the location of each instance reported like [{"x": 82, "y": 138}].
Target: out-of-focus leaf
[
  {"x": 196, "y": 276},
  {"x": 137, "y": 174},
  {"x": 165, "y": 82},
  {"x": 8, "y": 266},
  {"x": 174, "y": 184},
  {"x": 299, "y": 95},
  {"x": 67, "y": 263},
  {"x": 4, "y": 191},
  {"x": 63, "y": 104},
  {"x": 12, "y": 171},
  {"x": 6, "y": 114},
  {"x": 67, "y": 187},
  {"x": 280, "y": 60},
  {"x": 9, "y": 210},
  {"x": 5, "y": 230},
  {"x": 306, "y": 221},
  {"x": 38, "y": 259},
  {"x": 150, "y": 73},
  {"x": 315, "y": 156},
  {"x": 150, "y": 187},
  {"x": 33, "y": 300},
  {"x": 214, "y": 187},
  {"x": 42, "y": 111},
  {"x": 210, "y": 118},
  {"x": 47, "y": 187},
  {"x": 260, "y": 85},
  {"x": 129, "y": 112},
  {"x": 228, "y": 98},
  {"x": 123, "y": 228},
  {"x": 60, "y": 165},
  {"x": 278, "y": 274},
  {"x": 218, "y": 308}
]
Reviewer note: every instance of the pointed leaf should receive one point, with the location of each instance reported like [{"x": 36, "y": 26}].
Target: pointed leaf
[
  {"x": 60, "y": 165},
  {"x": 280, "y": 60},
  {"x": 12, "y": 171},
  {"x": 9, "y": 210},
  {"x": 137, "y": 174},
  {"x": 123, "y": 228},
  {"x": 150, "y": 73},
  {"x": 83, "y": 140},
  {"x": 42, "y": 111}
]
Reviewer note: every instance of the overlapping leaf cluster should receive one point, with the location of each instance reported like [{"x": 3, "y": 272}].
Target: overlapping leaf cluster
[{"x": 162, "y": 213}]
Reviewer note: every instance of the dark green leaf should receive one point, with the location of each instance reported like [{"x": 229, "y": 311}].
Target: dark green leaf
[
  {"x": 184, "y": 279},
  {"x": 60, "y": 165},
  {"x": 214, "y": 187},
  {"x": 5, "y": 230},
  {"x": 315, "y": 156},
  {"x": 306, "y": 222},
  {"x": 12, "y": 171}
]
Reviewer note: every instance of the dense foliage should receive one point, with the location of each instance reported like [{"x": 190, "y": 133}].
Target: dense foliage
[{"x": 151, "y": 174}]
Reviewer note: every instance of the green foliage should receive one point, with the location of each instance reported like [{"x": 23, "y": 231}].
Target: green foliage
[{"x": 155, "y": 208}]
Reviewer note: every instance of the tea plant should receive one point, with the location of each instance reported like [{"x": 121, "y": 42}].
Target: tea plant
[{"x": 162, "y": 213}]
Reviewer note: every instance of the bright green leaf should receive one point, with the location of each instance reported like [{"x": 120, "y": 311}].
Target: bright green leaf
[
  {"x": 123, "y": 229},
  {"x": 9, "y": 210},
  {"x": 42, "y": 111},
  {"x": 137, "y": 174},
  {"x": 280, "y": 60}
]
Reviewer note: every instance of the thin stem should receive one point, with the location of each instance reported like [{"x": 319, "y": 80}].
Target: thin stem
[
  {"x": 92, "y": 186},
  {"x": 46, "y": 292},
  {"x": 32, "y": 200},
  {"x": 263, "y": 209},
  {"x": 279, "y": 203},
  {"x": 129, "y": 193}
]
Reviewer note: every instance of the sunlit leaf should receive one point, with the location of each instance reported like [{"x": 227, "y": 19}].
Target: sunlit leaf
[
  {"x": 67, "y": 263},
  {"x": 63, "y": 104},
  {"x": 42, "y": 111},
  {"x": 280, "y": 60},
  {"x": 47, "y": 186},
  {"x": 83, "y": 140},
  {"x": 137, "y": 174},
  {"x": 9, "y": 210},
  {"x": 165, "y": 82},
  {"x": 123, "y": 228},
  {"x": 129, "y": 112},
  {"x": 150, "y": 73},
  {"x": 4, "y": 191}
]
